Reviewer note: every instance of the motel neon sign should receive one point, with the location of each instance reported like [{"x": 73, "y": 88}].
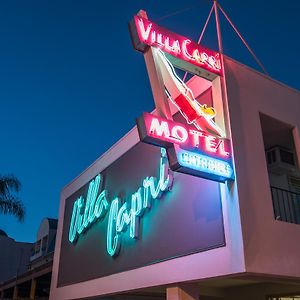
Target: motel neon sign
[
  {"x": 176, "y": 45},
  {"x": 191, "y": 151}
]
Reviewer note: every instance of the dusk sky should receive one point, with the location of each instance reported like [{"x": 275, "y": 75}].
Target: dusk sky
[{"x": 72, "y": 85}]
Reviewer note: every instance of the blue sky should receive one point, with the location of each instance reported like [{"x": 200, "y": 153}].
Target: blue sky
[{"x": 72, "y": 85}]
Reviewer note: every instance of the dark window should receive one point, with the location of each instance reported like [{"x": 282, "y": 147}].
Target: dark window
[
  {"x": 282, "y": 168},
  {"x": 45, "y": 243},
  {"x": 271, "y": 156}
]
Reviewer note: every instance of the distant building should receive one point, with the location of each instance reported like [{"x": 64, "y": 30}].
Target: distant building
[
  {"x": 27, "y": 267},
  {"x": 14, "y": 258}
]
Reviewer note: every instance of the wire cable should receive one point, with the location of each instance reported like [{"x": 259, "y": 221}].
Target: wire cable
[
  {"x": 206, "y": 23},
  {"x": 176, "y": 12},
  {"x": 201, "y": 35},
  {"x": 243, "y": 40}
]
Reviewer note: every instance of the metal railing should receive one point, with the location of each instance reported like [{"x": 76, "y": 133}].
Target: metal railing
[
  {"x": 286, "y": 205},
  {"x": 286, "y": 298}
]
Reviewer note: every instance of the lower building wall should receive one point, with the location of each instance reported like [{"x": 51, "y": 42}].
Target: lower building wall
[{"x": 14, "y": 258}]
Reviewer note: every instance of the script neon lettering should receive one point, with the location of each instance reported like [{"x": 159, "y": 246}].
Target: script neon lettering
[
  {"x": 121, "y": 218},
  {"x": 86, "y": 212},
  {"x": 113, "y": 239}
]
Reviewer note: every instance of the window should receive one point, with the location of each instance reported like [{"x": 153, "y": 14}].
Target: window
[
  {"x": 38, "y": 246},
  {"x": 45, "y": 243},
  {"x": 283, "y": 169}
]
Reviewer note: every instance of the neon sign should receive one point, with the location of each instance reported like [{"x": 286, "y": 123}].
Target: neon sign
[
  {"x": 162, "y": 132},
  {"x": 85, "y": 213},
  {"x": 207, "y": 155},
  {"x": 194, "y": 113},
  {"x": 204, "y": 164},
  {"x": 153, "y": 35},
  {"x": 120, "y": 216}
]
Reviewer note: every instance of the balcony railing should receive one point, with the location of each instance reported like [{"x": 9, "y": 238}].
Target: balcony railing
[{"x": 286, "y": 205}]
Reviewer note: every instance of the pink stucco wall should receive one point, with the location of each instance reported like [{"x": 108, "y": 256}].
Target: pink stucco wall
[{"x": 271, "y": 247}]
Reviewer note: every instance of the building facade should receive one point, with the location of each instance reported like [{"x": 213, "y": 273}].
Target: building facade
[
  {"x": 32, "y": 281},
  {"x": 158, "y": 217},
  {"x": 14, "y": 256}
]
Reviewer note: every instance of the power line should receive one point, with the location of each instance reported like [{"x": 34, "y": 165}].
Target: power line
[{"x": 177, "y": 12}]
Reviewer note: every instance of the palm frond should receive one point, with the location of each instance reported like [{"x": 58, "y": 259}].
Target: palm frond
[
  {"x": 9, "y": 183},
  {"x": 13, "y": 206}
]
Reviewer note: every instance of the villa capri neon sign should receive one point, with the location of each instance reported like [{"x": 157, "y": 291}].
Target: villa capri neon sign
[
  {"x": 152, "y": 34},
  {"x": 95, "y": 206}
]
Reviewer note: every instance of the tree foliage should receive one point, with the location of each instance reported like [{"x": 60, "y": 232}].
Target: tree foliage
[{"x": 9, "y": 202}]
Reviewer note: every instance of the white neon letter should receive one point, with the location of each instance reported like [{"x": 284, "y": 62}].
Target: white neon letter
[
  {"x": 159, "y": 129},
  {"x": 221, "y": 147},
  {"x": 144, "y": 32},
  {"x": 136, "y": 212},
  {"x": 167, "y": 44},
  {"x": 159, "y": 39},
  {"x": 196, "y": 137},
  {"x": 113, "y": 238},
  {"x": 176, "y": 47},
  {"x": 164, "y": 183},
  {"x": 179, "y": 133},
  {"x": 210, "y": 143},
  {"x": 185, "y": 51},
  {"x": 101, "y": 206},
  {"x": 79, "y": 218},
  {"x": 73, "y": 224}
]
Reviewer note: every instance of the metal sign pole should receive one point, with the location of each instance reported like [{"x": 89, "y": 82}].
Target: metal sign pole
[{"x": 219, "y": 35}]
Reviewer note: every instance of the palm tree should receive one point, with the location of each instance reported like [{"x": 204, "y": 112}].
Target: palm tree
[{"x": 9, "y": 203}]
